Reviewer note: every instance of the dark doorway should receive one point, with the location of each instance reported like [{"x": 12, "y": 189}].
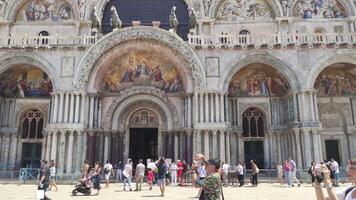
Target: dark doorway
[
  {"x": 254, "y": 151},
  {"x": 143, "y": 144},
  {"x": 332, "y": 150},
  {"x": 31, "y": 155}
]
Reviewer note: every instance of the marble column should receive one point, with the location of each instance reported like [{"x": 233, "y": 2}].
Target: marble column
[
  {"x": 169, "y": 146},
  {"x": 62, "y": 152},
  {"x": 189, "y": 147},
  {"x": 201, "y": 106},
  {"x": 233, "y": 148},
  {"x": 79, "y": 154},
  {"x": 298, "y": 149},
  {"x": 60, "y": 111},
  {"x": 279, "y": 147},
  {"x": 266, "y": 151},
  {"x": 222, "y": 146},
  {"x": 195, "y": 107},
  {"x": 13, "y": 151},
  {"x": 241, "y": 146},
  {"x": 83, "y": 108},
  {"x": 197, "y": 142},
  {"x": 206, "y": 143},
  {"x": 48, "y": 146},
  {"x": 70, "y": 153},
  {"x": 222, "y": 108},
  {"x": 215, "y": 144},
  {"x": 312, "y": 105},
  {"x": 227, "y": 149},
  {"x": 54, "y": 146},
  {"x": 44, "y": 144},
  {"x": 217, "y": 108},
  {"x": 19, "y": 151},
  {"x": 189, "y": 111},
  {"x": 176, "y": 142},
  {"x": 55, "y": 108},
  {"x": 106, "y": 146},
  {"x": 307, "y": 150},
  {"x": 71, "y": 108},
  {"x": 77, "y": 106},
  {"x": 316, "y": 111},
  {"x": 206, "y": 109},
  {"x": 6, "y": 150},
  {"x": 84, "y": 145},
  {"x": 66, "y": 108},
  {"x": 212, "y": 107},
  {"x": 91, "y": 111}
]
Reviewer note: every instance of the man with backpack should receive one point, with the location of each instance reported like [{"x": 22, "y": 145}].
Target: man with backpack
[{"x": 108, "y": 169}]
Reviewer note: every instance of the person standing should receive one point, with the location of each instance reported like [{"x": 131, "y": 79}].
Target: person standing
[
  {"x": 287, "y": 172},
  {"x": 150, "y": 177},
  {"x": 174, "y": 170},
  {"x": 225, "y": 173},
  {"x": 293, "y": 170},
  {"x": 161, "y": 167},
  {"x": 108, "y": 169},
  {"x": 180, "y": 172},
  {"x": 311, "y": 172},
  {"x": 185, "y": 173},
  {"x": 211, "y": 186},
  {"x": 240, "y": 174},
  {"x": 44, "y": 178},
  {"x": 139, "y": 174},
  {"x": 127, "y": 174},
  {"x": 52, "y": 171},
  {"x": 119, "y": 169},
  {"x": 279, "y": 168},
  {"x": 255, "y": 171},
  {"x": 96, "y": 176},
  {"x": 334, "y": 166}
]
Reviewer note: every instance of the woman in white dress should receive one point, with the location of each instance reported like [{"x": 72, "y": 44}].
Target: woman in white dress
[{"x": 52, "y": 172}]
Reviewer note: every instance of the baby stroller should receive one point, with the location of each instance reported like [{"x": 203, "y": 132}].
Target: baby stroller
[{"x": 83, "y": 187}]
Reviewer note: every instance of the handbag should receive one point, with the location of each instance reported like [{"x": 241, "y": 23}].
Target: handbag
[{"x": 39, "y": 194}]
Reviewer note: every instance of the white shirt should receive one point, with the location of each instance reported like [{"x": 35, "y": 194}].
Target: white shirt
[
  {"x": 108, "y": 166},
  {"x": 174, "y": 169},
  {"x": 52, "y": 171},
  {"x": 341, "y": 195},
  {"x": 128, "y": 170},
  {"x": 335, "y": 167},
  {"x": 201, "y": 171},
  {"x": 240, "y": 169},
  {"x": 225, "y": 168}
]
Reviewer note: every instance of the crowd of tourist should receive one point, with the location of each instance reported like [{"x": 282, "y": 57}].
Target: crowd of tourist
[{"x": 208, "y": 175}]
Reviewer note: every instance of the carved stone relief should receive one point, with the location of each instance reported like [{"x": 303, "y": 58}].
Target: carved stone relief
[{"x": 212, "y": 67}]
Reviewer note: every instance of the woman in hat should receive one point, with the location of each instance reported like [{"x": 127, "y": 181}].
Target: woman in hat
[{"x": 211, "y": 185}]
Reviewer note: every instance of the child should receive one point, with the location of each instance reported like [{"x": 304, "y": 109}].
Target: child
[{"x": 150, "y": 178}]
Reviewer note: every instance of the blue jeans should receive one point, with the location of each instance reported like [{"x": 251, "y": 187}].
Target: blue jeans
[
  {"x": 128, "y": 181},
  {"x": 336, "y": 177},
  {"x": 287, "y": 175}
]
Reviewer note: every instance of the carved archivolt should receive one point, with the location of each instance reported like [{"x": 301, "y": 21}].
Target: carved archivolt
[
  {"x": 108, "y": 118},
  {"x": 192, "y": 62}
]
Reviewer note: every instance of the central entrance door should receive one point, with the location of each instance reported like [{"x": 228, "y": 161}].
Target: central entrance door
[
  {"x": 31, "y": 155},
  {"x": 143, "y": 144},
  {"x": 254, "y": 151},
  {"x": 332, "y": 150}
]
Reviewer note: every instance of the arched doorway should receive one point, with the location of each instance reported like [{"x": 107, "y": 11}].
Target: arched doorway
[
  {"x": 144, "y": 128},
  {"x": 31, "y": 130},
  {"x": 335, "y": 89},
  {"x": 253, "y": 126}
]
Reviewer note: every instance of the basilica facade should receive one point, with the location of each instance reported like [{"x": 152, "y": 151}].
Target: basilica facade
[{"x": 232, "y": 79}]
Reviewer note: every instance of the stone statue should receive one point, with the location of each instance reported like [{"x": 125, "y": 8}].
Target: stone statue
[
  {"x": 173, "y": 21},
  {"x": 95, "y": 21},
  {"x": 3, "y": 5},
  {"x": 192, "y": 18},
  {"x": 284, "y": 4},
  {"x": 115, "y": 21},
  {"x": 82, "y": 4}
]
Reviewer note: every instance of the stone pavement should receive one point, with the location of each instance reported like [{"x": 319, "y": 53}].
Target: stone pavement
[{"x": 115, "y": 192}]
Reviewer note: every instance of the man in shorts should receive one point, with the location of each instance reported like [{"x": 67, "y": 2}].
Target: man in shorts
[{"x": 161, "y": 174}]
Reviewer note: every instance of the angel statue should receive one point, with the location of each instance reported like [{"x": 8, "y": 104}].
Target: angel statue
[
  {"x": 95, "y": 21},
  {"x": 115, "y": 21},
  {"x": 173, "y": 21},
  {"x": 192, "y": 19}
]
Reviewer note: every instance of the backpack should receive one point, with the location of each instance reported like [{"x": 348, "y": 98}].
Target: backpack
[
  {"x": 106, "y": 170},
  {"x": 349, "y": 190}
]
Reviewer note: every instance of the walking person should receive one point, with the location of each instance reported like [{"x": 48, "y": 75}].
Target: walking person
[
  {"x": 108, "y": 169},
  {"x": 293, "y": 170},
  {"x": 52, "y": 171},
  {"x": 311, "y": 172},
  {"x": 334, "y": 166},
  {"x": 96, "y": 176},
  {"x": 139, "y": 174},
  {"x": 185, "y": 173},
  {"x": 287, "y": 172},
  {"x": 240, "y": 174},
  {"x": 255, "y": 171},
  {"x": 119, "y": 168},
  {"x": 161, "y": 167},
  {"x": 225, "y": 174},
  {"x": 150, "y": 178},
  {"x": 211, "y": 185},
  {"x": 180, "y": 172},
  {"x": 174, "y": 170},
  {"x": 44, "y": 178},
  {"x": 279, "y": 168},
  {"x": 127, "y": 174}
]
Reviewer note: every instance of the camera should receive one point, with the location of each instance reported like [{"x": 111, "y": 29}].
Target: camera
[{"x": 320, "y": 177}]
